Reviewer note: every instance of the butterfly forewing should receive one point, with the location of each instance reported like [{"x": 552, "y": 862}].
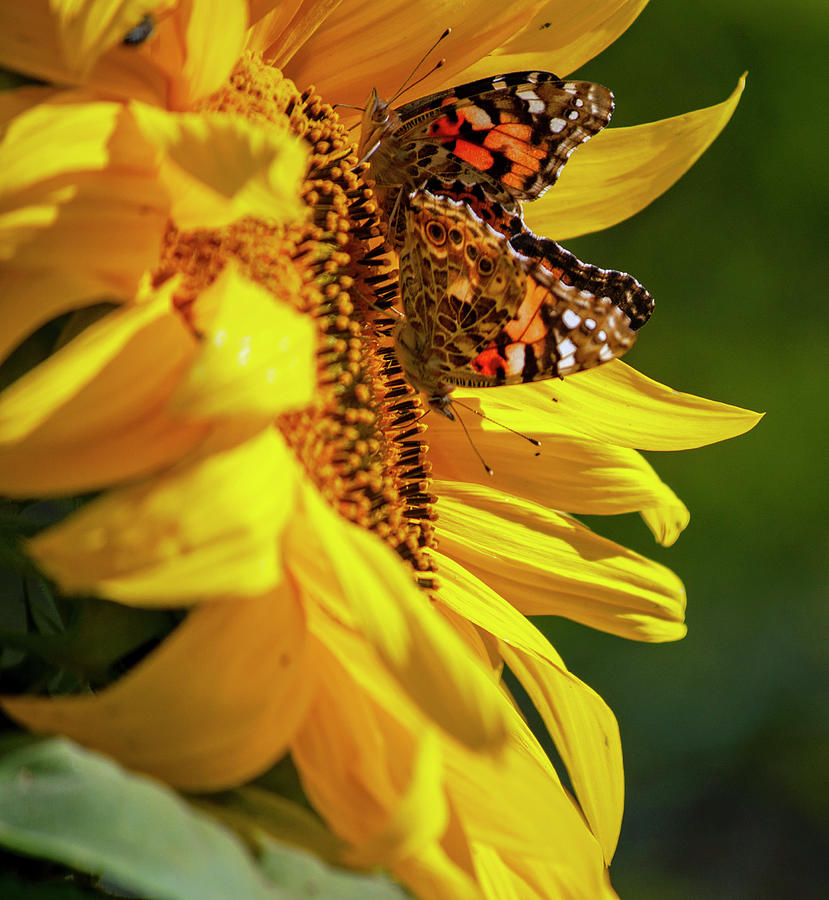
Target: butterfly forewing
[{"x": 512, "y": 133}]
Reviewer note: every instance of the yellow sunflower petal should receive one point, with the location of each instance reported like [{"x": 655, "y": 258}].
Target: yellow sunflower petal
[
  {"x": 79, "y": 189},
  {"x": 579, "y": 721},
  {"x": 17, "y": 101},
  {"x": 621, "y": 170},
  {"x": 80, "y": 43},
  {"x": 373, "y": 776},
  {"x": 96, "y": 412},
  {"x": 257, "y": 359},
  {"x": 524, "y": 812},
  {"x": 569, "y": 472},
  {"x": 498, "y": 880},
  {"x": 432, "y": 873},
  {"x": 218, "y": 168},
  {"x": 268, "y": 21},
  {"x": 358, "y": 579},
  {"x": 586, "y": 736},
  {"x": 88, "y": 28},
  {"x": 361, "y": 45},
  {"x": 61, "y": 40},
  {"x": 546, "y": 564},
  {"x": 208, "y": 529},
  {"x": 560, "y": 37},
  {"x": 615, "y": 403},
  {"x": 212, "y": 707},
  {"x": 280, "y": 33},
  {"x": 211, "y": 52},
  {"x": 536, "y": 878}
]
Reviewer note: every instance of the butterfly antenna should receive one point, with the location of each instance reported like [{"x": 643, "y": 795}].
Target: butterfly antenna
[
  {"x": 477, "y": 412},
  {"x": 435, "y": 67},
  {"x": 489, "y": 470},
  {"x": 419, "y": 64}
]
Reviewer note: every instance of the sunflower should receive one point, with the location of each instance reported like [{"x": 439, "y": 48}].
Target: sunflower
[{"x": 199, "y": 382}]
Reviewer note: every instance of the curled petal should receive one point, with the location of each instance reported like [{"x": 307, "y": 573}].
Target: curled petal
[
  {"x": 89, "y": 28},
  {"x": 617, "y": 404},
  {"x": 96, "y": 412},
  {"x": 215, "y": 705},
  {"x": 621, "y": 170},
  {"x": 183, "y": 59},
  {"x": 283, "y": 30},
  {"x": 95, "y": 211},
  {"x": 218, "y": 168},
  {"x": 560, "y": 37},
  {"x": 207, "y": 529},
  {"x": 257, "y": 358},
  {"x": 545, "y": 563}
]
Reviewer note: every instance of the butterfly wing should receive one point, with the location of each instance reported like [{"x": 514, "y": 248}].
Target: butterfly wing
[
  {"x": 458, "y": 287},
  {"x": 558, "y": 330},
  {"x": 622, "y": 289},
  {"x": 514, "y": 132},
  {"x": 482, "y": 311}
]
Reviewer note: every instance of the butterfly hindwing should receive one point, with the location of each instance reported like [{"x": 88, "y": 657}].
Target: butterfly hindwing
[
  {"x": 480, "y": 311},
  {"x": 622, "y": 289}
]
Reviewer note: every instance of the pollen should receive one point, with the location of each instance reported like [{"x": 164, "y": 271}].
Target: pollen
[{"x": 361, "y": 441}]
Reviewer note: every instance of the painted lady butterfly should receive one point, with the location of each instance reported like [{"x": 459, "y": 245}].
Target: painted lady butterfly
[
  {"x": 481, "y": 310},
  {"x": 485, "y": 301}
]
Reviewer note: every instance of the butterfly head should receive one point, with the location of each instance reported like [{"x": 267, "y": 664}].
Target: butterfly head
[{"x": 378, "y": 120}]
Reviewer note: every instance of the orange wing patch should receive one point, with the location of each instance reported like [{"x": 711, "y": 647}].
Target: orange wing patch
[{"x": 474, "y": 154}]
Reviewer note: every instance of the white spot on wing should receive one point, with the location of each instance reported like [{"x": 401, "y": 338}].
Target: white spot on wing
[
  {"x": 566, "y": 347},
  {"x": 478, "y": 117},
  {"x": 571, "y": 319},
  {"x": 515, "y": 357},
  {"x": 605, "y": 353},
  {"x": 557, "y": 125},
  {"x": 589, "y": 324}
]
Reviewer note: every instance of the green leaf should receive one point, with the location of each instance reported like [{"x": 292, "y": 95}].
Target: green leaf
[
  {"x": 67, "y": 804},
  {"x": 305, "y": 876}
]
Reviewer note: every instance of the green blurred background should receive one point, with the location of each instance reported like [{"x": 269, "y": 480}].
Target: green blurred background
[{"x": 725, "y": 734}]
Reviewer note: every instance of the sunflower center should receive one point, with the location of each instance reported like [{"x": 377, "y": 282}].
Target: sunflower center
[{"x": 361, "y": 441}]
